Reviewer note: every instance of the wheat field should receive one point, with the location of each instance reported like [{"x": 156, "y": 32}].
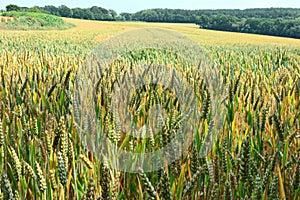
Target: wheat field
[{"x": 256, "y": 153}]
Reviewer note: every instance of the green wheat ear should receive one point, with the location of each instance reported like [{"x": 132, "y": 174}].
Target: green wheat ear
[
  {"x": 237, "y": 83},
  {"x": 215, "y": 192},
  {"x": 1, "y": 134},
  {"x": 63, "y": 136},
  {"x": 273, "y": 192},
  {"x": 256, "y": 103},
  {"x": 227, "y": 191},
  {"x": 216, "y": 169},
  {"x": 269, "y": 171},
  {"x": 116, "y": 185},
  {"x": 6, "y": 188},
  {"x": 15, "y": 164},
  {"x": 245, "y": 160},
  {"x": 206, "y": 106},
  {"x": 40, "y": 178},
  {"x": 264, "y": 118},
  {"x": 53, "y": 180},
  {"x": 105, "y": 182},
  {"x": 61, "y": 168},
  {"x": 258, "y": 190},
  {"x": 233, "y": 180},
  {"x": 224, "y": 157},
  {"x": 189, "y": 186},
  {"x": 28, "y": 170},
  {"x": 194, "y": 159},
  {"x": 210, "y": 168},
  {"x": 87, "y": 161},
  {"x": 48, "y": 141},
  {"x": 71, "y": 150},
  {"x": 35, "y": 127},
  {"x": 165, "y": 186},
  {"x": 16, "y": 195},
  {"x": 90, "y": 191},
  {"x": 149, "y": 187},
  {"x": 279, "y": 127},
  {"x": 296, "y": 182}
]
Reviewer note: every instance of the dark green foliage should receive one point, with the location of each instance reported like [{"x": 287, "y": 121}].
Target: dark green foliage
[
  {"x": 64, "y": 11},
  {"x": 92, "y": 13}
]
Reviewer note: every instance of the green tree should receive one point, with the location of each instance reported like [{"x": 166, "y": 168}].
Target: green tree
[
  {"x": 77, "y": 13},
  {"x": 100, "y": 13},
  {"x": 126, "y": 16},
  {"x": 34, "y": 9},
  {"x": 64, "y": 11},
  {"x": 113, "y": 14},
  {"x": 51, "y": 10},
  {"x": 12, "y": 7},
  {"x": 87, "y": 14}
]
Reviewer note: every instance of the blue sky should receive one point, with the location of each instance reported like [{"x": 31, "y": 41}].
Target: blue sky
[{"x": 136, "y": 5}]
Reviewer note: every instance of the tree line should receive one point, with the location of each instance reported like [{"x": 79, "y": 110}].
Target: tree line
[
  {"x": 92, "y": 13},
  {"x": 268, "y": 21}
]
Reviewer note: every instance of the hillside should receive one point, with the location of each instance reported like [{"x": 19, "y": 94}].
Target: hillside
[{"x": 31, "y": 20}]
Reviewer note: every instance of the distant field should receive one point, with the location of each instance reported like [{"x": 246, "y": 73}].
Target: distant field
[
  {"x": 192, "y": 30},
  {"x": 102, "y": 30}
]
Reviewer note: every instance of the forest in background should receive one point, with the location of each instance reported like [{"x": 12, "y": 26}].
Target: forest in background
[{"x": 268, "y": 21}]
